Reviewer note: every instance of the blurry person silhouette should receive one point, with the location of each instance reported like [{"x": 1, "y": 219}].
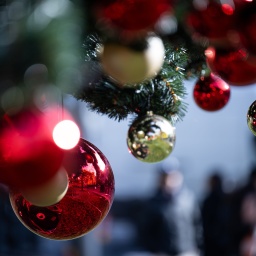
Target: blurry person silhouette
[
  {"x": 216, "y": 215},
  {"x": 171, "y": 222},
  {"x": 244, "y": 217}
]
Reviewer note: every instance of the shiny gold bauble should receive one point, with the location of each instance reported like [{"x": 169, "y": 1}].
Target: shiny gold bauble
[
  {"x": 151, "y": 138},
  {"x": 251, "y": 118}
]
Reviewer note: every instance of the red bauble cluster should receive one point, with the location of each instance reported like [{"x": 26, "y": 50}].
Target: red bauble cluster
[
  {"x": 230, "y": 28},
  {"x": 210, "y": 20},
  {"x": 247, "y": 27},
  {"x": 223, "y": 22},
  {"x": 211, "y": 93},
  {"x": 86, "y": 203},
  {"x": 28, "y": 154},
  {"x": 234, "y": 66}
]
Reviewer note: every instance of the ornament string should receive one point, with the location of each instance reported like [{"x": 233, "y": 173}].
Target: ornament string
[{"x": 150, "y": 95}]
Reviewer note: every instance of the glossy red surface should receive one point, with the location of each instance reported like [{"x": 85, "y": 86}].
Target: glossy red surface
[
  {"x": 247, "y": 27},
  {"x": 88, "y": 199},
  {"x": 232, "y": 65},
  {"x": 211, "y": 93},
  {"x": 212, "y": 21},
  {"x": 132, "y": 15}
]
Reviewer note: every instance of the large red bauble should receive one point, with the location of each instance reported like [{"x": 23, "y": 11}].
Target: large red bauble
[
  {"x": 127, "y": 15},
  {"x": 28, "y": 154},
  {"x": 231, "y": 65},
  {"x": 87, "y": 201},
  {"x": 211, "y": 93},
  {"x": 211, "y": 20}
]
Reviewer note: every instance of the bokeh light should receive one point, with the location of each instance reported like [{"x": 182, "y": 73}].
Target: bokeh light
[{"x": 66, "y": 134}]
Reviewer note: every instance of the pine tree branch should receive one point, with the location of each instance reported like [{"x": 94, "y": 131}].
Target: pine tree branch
[{"x": 163, "y": 95}]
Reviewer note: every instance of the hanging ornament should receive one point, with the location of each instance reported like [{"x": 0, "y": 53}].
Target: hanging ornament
[
  {"x": 86, "y": 203},
  {"x": 211, "y": 20},
  {"x": 28, "y": 155},
  {"x": 246, "y": 26},
  {"x": 151, "y": 138},
  {"x": 251, "y": 118},
  {"x": 130, "y": 18},
  {"x": 211, "y": 93},
  {"x": 166, "y": 91},
  {"x": 231, "y": 65},
  {"x": 129, "y": 66}
]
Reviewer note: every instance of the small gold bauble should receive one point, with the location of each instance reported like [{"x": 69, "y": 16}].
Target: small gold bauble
[
  {"x": 251, "y": 118},
  {"x": 158, "y": 138}
]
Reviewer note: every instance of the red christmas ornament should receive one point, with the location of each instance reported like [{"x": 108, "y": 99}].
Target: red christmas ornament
[
  {"x": 246, "y": 26},
  {"x": 131, "y": 16},
  {"x": 210, "y": 19},
  {"x": 28, "y": 154},
  {"x": 211, "y": 93},
  {"x": 231, "y": 65},
  {"x": 87, "y": 201}
]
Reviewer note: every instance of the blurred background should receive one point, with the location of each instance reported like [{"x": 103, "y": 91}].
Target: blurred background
[{"x": 206, "y": 143}]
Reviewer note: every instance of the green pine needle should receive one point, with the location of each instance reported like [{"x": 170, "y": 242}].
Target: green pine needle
[{"x": 163, "y": 95}]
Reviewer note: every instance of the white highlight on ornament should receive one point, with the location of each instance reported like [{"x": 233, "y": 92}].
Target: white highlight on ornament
[
  {"x": 66, "y": 134},
  {"x": 155, "y": 55},
  {"x": 49, "y": 193}
]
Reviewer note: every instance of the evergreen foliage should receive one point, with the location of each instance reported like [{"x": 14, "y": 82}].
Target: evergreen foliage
[{"x": 163, "y": 95}]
